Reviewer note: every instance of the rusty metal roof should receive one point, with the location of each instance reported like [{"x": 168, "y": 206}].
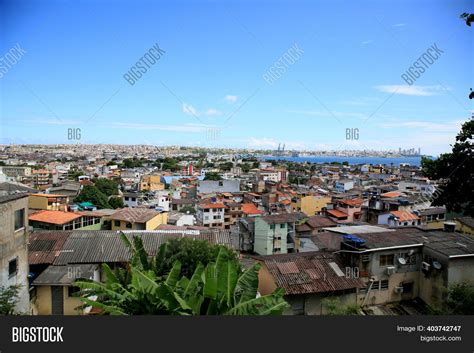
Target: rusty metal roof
[
  {"x": 45, "y": 246},
  {"x": 312, "y": 272}
]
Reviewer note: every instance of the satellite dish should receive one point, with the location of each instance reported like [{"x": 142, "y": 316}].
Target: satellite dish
[
  {"x": 402, "y": 261},
  {"x": 437, "y": 265}
]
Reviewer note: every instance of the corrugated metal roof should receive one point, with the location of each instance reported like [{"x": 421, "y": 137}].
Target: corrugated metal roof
[
  {"x": 45, "y": 246},
  {"x": 64, "y": 275},
  {"x": 315, "y": 273},
  {"x": 107, "y": 246}
]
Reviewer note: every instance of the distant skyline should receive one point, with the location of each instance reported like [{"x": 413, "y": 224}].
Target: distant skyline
[{"x": 236, "y": 74}]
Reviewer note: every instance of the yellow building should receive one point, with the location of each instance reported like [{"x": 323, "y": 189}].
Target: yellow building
[
  {"x": 53, "y": 291},
  {"x": 151, "y": 183},
  {"x": 465, "y": 225},
  {"x": 138, "y": 219},
  {"x": 51, "y": 202},
  {"x": 310, "y": 205}
]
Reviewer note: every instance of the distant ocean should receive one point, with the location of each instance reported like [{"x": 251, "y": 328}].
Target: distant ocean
[{"x": 415, "y": 161}]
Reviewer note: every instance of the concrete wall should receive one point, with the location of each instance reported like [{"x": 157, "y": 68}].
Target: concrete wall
[
  {"x": 265, "y": 236},
  {"x": 13, "y": 244}
]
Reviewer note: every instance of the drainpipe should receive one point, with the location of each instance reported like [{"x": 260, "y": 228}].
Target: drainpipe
[{"x": 368, "y": 292}]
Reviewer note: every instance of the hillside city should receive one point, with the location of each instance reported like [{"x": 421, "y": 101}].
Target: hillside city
[{"x": 331, "y": 237}]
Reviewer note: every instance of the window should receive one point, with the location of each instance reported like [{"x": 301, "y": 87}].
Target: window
[
  {"x": 282, "y": 225},
  {"x": 407, "y": 287},
  {"x": 272, "y": 226},
  {"x": 128, "y": 225},
  {"x": 19, "y": 219},
  {"x": 71, "y": 290},
  {"x": 386, "y": 260},
  {"x": 384, "y": 284},
  {"x": 117, "y": 223},
  {"x": 12, "y": 267}
]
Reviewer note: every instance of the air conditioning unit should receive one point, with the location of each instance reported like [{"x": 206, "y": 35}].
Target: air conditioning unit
[
  {"x": 425, "y": 266},
  {"x": 398, "y": 290},
  {"x": 391, "y": 270},
  {"x": 365, "y": 258}
]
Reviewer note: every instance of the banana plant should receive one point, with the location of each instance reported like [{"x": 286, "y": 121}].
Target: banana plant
[{"x": 215, "y": 289}]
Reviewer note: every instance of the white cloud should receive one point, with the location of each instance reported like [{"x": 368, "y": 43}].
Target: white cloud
[
  {"x": 325, "y": 113},
  {"x": 173, "y": 128},
  {"x": 411, "y": 90},
  {"x": 449, "y": 126},
  {"x": 365, "y": 42},
  {"x": 230, "y": 98},
  {"x": 265, "y": 142},
  {"x": 53, "y": 122},
  {"x": 212, "y": 112},
  {"x": 188, "y": 109},
  {"x": 399, "y": 25}
]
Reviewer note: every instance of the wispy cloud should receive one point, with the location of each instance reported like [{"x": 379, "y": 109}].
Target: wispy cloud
[
  {"x": 230, "y": 98},
  {"x": 213, "y": 112},
  {"x": 173, "y": 128},
  {"x": 365, "y": 42},
  {"x": 399, "y": 25},
  {"x": 188, "y": 109},
  {"x": 43, "y": 121},
  {"x": 411, "y": 90},
  {"x": 325, "y": 113},
  {"x": 448, "y": 126}
]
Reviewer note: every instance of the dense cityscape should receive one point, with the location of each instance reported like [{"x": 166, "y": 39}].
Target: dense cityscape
[{"x": 324, "y": 238}]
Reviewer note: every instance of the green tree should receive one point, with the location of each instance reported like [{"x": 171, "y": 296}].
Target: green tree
[
  {"x": 212, "y": 176},
  {"x": 108, "y": 187},
  {"x": 455, "y": 171},
  {"x": 9, "y": 297},
  {"x": 90, "y": 193},
  {"x": 132, "y": 163},
  {"x": 334, "y": 307},
  {"x": 226, "y": 166},
  {"x": 216, "y": 289},
  {"x": 245, "y": 167},
  {"x": 116, "y": 202},
  {"x": 459, "y": 301},
  {"x": 187, "y": 209},
  {"x": 190, "y": 253}
]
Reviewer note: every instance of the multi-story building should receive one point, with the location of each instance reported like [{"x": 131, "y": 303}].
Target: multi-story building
[
  {"x": 268, "y": 235},
  {"x": 151, "y": 183},
  {"x": 310, "y": 205},
  {"x": 211, "y": 215},
  {"x": 40, "y": 178},
  {"x": 13, "y": 245},
  {"x": 16, "y": 171},
  {"x": 52, "y": 202}
]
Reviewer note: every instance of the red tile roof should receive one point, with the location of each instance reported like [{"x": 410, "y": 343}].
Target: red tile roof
[
  {"x": 250, "y": 208},
  {"x": 337, "y": 213},
  {"x": 352, "y": 202},
  {"x": 391, "y": 194},
  {"x": 54, "y": 217},
  {"x": 405, "y": 215}
]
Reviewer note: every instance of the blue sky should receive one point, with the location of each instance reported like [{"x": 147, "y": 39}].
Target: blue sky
[{"x": 208, "y": 87}]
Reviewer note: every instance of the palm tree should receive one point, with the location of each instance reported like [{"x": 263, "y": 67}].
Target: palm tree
[{"x": 215, "y": 289}]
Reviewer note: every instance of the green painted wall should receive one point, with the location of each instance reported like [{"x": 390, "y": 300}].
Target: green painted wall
[{"x": 268, "y": 236}]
